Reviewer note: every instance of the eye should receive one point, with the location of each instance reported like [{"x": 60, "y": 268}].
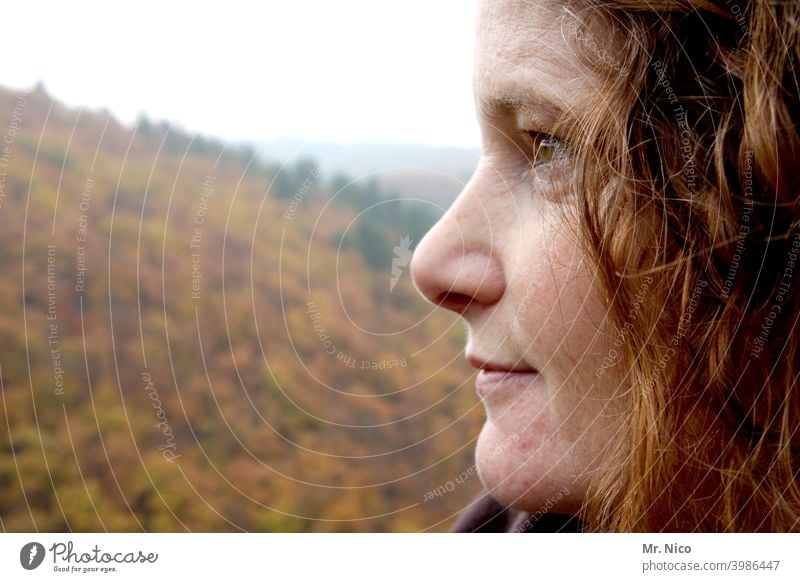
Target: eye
[{"x": 547, "y": 148}]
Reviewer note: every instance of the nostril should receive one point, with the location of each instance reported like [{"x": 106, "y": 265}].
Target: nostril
[{"x": 458, "y": 302}]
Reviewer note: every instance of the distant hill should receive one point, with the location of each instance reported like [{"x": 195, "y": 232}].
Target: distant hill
[
  {"x": 196, "y": 338},
  {"x": 437, "y": 174}
]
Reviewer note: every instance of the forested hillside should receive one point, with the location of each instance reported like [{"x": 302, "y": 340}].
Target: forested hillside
[{"x": 197, "y": 339}]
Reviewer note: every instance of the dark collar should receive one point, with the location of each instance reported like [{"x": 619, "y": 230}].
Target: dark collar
[{"x": 487, "y": 515}]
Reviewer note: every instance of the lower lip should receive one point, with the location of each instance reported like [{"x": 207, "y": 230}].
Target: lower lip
[{"x": 490, "y": 381}]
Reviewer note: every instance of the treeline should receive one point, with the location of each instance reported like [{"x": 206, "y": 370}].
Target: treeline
[{"x": 304, "y": 179}]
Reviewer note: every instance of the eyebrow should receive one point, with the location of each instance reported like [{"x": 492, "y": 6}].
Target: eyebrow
[{"x": 537, "y": 106}]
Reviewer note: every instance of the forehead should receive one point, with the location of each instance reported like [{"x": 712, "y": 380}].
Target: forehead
[{"x": 523, "y": 57}]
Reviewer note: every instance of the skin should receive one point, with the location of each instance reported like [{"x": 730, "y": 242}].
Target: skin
[{"x": 505, "y": 257}]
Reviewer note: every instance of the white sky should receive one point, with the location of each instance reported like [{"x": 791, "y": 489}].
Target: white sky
[{"x": 335, "y": 70}]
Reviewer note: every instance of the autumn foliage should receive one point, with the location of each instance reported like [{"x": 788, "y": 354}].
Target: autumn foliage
[{"x": 198, "y": 339}]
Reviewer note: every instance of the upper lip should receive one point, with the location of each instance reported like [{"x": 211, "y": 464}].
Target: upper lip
[{"x": 482, "y": 364}]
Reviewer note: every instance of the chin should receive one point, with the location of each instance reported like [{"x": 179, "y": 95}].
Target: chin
[{"x": 524, "y": 472}]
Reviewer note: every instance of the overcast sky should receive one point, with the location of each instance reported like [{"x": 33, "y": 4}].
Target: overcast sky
[{"x": 335, "y": 70}]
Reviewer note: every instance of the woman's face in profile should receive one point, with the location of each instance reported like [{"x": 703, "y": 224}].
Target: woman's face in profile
[{"x": 505, "y": 257}]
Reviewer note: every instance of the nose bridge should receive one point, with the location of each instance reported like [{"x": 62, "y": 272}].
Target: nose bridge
[{"x": 457, "y": 265}]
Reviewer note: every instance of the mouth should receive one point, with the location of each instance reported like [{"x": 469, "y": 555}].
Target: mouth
[{"x": 500, "y": 377}]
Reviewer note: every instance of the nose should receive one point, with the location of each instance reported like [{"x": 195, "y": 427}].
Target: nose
[{"x": 456, "y": 265}]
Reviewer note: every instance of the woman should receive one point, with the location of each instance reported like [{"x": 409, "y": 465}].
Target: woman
[{"x": 625, "y": 258}]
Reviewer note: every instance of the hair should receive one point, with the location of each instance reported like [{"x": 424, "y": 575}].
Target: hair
[{"x": 694, "y": 149}]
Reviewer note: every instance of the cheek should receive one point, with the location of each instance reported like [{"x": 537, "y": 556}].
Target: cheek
[
  {"x": 557, "y": 305},
  {"x": 560, "y": 325},
  {"x": 549, "y": 437}
]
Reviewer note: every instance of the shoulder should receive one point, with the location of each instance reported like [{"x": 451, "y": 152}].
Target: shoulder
[{"x": 487, "y": 515}]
